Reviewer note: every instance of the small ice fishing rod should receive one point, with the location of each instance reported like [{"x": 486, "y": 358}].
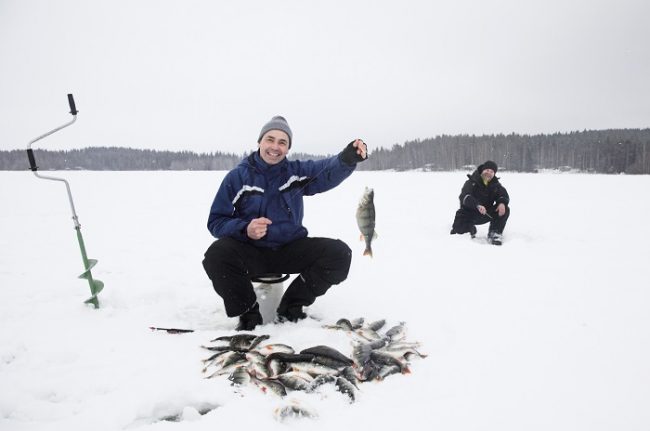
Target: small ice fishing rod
[{"x": 96, "y": 286}]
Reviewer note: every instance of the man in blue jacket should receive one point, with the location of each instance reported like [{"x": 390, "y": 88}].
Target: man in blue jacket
[
  {"x": 256, "y": 217},
  {"x": 483, "y": 199}
]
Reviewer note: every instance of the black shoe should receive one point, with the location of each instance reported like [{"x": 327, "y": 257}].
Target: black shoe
[
  {"x": 472, "y": 231},
  {"x": 292, "y": 313},
  {"x": 495, "y": 238},
  {"x": 250, "y": 319}
]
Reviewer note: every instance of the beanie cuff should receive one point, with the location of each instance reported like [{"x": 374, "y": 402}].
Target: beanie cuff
[{"x": 276, "y": 123}]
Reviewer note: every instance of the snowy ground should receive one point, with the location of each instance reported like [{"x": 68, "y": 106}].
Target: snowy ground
[{"x": 551, "y": 331}]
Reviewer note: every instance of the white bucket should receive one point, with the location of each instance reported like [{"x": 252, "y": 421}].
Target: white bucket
[{"x": 268, "y": 298}]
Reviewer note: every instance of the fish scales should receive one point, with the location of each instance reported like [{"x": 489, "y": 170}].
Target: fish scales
[
  {"x": 275, "y": 348},
  {"x": 236, "y": 338},
  {"x": 240, "y": 376},
  {"x": 224, "y": 360},
  {"x": 328, "y": 352},
  {"x": 368, "y": 371},
  {"x": 293, "y": 410},
  {"x": 351, "y": 376},
  {"x": 259, "y": 370},
  {"x": 217, "y": 348},
  {"x": 377, "y": 325},
  {"x": 366, "y": 219},
  {"x": 289, "y": 357},
  {"x": 276, "y": 367},
  {"x": 396, "y": 333},
  {"x": 227, "y": 370},
  {"x": 296, "y": 380},
  {"x": 387, "y": 370},
  {"x": 320, "y": 381},
  {"x": 270, "y": 386},
  {"x": 383, "y": 358},
  {"x": 215, "y": 356},
  {"x": 329, "y": 362},
  {"x": 257, "y": 340},
  {"x": 313, "y": 368},
  {"x": 357, "y": 323},
  {"x": 345, "y": 387}
]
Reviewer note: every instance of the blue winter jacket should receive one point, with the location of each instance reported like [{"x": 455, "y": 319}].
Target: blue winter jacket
[{"x": 256, "y": 189}]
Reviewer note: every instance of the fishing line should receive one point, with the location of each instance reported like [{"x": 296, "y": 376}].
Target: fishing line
[{"x": 311, "y": 180}]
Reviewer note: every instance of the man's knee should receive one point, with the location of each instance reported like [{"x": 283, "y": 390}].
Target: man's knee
[
  {"x": 333, "y": 267},
  {"x": 340, "y": 251},
  {"x": 220, "y": 253},
  {"x": 463, "y": 222},
  {"x": 502, "y": 218}
]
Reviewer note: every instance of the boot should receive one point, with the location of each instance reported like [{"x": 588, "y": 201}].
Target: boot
[
  {"x": 471, "y": 229},
  {"x": 495, "y": 238},
  {"x": 291, "y": 313},
  {"x": 250, "y": 319},
  {"x": 298, "y": 294}
]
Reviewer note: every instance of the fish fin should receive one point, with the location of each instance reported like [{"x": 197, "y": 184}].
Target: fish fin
[
  {"x": 374, "y": 235},
  {"x": 367, "y": 252},
  {"x": 362, "y": 238}
]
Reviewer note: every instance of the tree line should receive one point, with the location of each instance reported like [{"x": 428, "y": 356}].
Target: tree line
[
  {"x": 600, "y": 151},
  {"x": 119, "y": 159}
]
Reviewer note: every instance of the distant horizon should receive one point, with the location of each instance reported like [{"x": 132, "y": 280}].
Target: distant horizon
[
  {"x": 247, "y": 151},
  {"x": 597, "y": 151}
]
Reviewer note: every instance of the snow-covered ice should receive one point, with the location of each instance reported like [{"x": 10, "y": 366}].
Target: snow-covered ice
[{"x": 551, "y": 331}]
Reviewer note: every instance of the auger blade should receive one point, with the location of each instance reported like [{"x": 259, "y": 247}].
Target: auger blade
[
  {"x": 96, "y": 286},
  {"x": 86, "y": 274}
]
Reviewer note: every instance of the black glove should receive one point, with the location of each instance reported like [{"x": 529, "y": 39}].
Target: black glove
[{"x": 349, "y": 155}]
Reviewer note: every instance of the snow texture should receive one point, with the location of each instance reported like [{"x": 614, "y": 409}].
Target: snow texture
[{"x": 551, "y": 331}]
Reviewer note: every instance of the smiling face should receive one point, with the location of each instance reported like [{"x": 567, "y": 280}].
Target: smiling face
[
  {"x": 487, "y": 175},
  {"x": 274, "y": 146}
]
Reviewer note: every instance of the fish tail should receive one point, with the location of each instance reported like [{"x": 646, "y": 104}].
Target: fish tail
[{"x": 367, "y": 252}]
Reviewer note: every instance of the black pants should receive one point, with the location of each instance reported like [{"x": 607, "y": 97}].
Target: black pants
[
  {"x": 466, "y": 219},
  {"x": 230, "y": 264}
]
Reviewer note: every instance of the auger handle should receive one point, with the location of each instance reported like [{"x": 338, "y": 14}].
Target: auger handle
[
  {"x": 30, "y": 153},
  {"x": 32, "y": 160},
  {"x": 73, "y": 108}
]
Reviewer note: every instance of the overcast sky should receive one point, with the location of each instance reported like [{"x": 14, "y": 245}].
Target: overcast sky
[{"x": 205, "y": 75}]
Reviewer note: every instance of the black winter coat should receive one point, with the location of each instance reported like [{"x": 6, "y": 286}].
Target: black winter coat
[{"x": 475, "y": 193}]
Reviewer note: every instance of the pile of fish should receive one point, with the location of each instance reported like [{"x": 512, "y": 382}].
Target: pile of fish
[
  {"x": 278, "y": 368},
  {"x": 378, "y": 355}
]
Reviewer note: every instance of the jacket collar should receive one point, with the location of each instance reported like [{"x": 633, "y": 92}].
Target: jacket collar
[
  {"x": 256, "y": 161},
  {"x": 476, "y": 177}
]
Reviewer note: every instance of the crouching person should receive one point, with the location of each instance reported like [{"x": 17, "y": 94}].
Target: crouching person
[
  {"x": 483, "y": 199},
  {"x": 256, "y": 217}
]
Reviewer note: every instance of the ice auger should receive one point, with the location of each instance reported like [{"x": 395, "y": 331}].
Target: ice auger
[{"x": 96, "y": 286}]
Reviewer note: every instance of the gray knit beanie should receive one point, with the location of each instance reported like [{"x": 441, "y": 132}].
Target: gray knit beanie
[{"x": 276, "y": 123}]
